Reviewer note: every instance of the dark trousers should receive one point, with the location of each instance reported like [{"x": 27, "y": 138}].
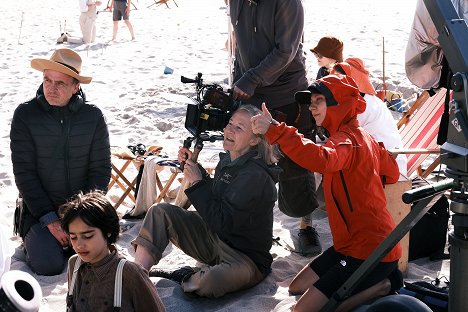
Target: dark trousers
[
  {"x": 44, "y": 254},
  {"x": 296, "y": 192}
]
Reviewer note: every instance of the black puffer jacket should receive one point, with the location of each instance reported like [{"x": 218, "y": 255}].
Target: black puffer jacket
[
  {"x": 238, "y": 205},
  {"x": 57, "y": 152}
]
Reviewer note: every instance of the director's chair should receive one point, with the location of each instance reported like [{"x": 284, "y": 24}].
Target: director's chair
[
  {"x": 164, "y": 190},
  {"x": 122, "y": 158},
  {"x": 118, "y": 177}
]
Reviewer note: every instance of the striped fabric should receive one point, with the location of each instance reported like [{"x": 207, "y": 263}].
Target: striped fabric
[{"x": 420, "y": 132}]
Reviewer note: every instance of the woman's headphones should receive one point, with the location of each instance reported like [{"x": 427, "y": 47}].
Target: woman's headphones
[{"x": 19, "y": 291}]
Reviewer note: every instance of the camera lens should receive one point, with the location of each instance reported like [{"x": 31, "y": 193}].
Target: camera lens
[{"x": 141, "y": 149}]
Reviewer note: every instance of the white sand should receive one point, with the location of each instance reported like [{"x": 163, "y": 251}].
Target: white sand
[{"x": 144, "y": 105}]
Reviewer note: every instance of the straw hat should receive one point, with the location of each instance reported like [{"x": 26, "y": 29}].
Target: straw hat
[
  {"x": 65, "y": 61},
  {"x": 355, "y": 68}
]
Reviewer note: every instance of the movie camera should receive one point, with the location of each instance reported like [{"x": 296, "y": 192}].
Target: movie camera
[{"x": 211, "y": 111}]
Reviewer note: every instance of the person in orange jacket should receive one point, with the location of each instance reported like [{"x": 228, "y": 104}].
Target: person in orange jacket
[{"x": 355, "y": 169}]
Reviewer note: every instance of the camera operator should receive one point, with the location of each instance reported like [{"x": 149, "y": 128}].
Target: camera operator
[
  {"x": 231, "y": 230},
  {"x": 270, "y": 67}
]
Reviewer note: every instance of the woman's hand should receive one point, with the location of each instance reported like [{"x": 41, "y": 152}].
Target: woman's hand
[
  {"x": 184, "y": 154},
  {"x": 263, "y": 121},
  {"x": 192, "y": 173}
]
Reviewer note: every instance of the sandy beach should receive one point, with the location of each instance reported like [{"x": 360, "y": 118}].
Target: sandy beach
[{"x": 142, "y": 104}]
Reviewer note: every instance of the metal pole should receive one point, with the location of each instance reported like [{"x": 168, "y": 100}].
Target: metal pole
[{"x": 21, "y": 27}]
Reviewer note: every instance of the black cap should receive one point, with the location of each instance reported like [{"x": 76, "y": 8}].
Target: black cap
[{"x": 317, "y": 87}]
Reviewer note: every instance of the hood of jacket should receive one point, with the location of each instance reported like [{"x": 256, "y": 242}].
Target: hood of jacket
[{"x": 350, "y": 102}]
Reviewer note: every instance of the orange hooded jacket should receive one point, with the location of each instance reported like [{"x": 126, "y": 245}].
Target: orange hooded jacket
[{"x": 353, "y": 156}]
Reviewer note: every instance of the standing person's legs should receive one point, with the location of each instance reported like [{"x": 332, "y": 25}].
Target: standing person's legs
[
  {"x": 83, "y": 19},
  {"x": 117, "y": 14},
  {"x": 126, "y": 19},
  {"x": 130, "y": 28},
  {"x": 296, "y": 193},
  {"x": 115, "y": 28},
  {"x": 93, "y": 28},
  {"x": 87, "y": 23},
  {"x": 44, "y": 254}
]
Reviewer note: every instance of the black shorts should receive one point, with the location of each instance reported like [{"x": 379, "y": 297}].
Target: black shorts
[
  {"x": 334, "y": 268},
  {"x": 119, "y": 11}
]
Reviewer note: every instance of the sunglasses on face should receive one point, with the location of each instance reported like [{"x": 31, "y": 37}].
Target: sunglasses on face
[{"x": 318, "y": 55}]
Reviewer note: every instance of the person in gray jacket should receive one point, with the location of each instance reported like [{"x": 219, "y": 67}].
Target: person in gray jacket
[
  {"x": 270, "y": 67},
  {"x": 59, "y": 147}
]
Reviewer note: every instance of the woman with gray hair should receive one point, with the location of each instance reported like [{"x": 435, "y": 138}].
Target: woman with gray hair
[{"x": 231, "y": 230}]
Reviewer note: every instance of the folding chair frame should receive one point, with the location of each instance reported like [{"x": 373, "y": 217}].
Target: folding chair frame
[
  {"x": 126, "y": 186},
  {"x": 160, "y": 2}
]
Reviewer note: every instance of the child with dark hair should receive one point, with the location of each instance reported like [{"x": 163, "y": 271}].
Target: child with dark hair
[
  {"x": 92, "y": 224},
  {"x": 329, "y": 51},
  {"x": 358, "y": 217}
]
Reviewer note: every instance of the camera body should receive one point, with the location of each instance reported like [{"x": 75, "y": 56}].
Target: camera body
[
  {"x": 137, "y": 150},
  {"x": 211, "y": 110}
]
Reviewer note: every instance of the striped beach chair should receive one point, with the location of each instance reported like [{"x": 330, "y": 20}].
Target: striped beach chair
[{"x": 418, "y": 130}]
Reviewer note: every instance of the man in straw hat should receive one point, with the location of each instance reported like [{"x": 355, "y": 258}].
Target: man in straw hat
[{"x": 59, "y": 146}]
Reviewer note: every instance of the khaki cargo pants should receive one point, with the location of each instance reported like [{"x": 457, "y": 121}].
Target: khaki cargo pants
[{"x": 225, "y": 269}]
